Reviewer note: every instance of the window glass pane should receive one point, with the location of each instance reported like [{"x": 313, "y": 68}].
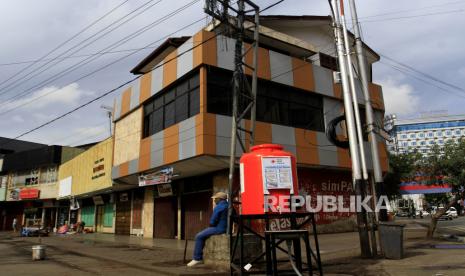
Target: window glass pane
[
  {"x": 219, "y": 100},
  {"x": 169, "y": 114},
  {"x": 148, "y": 108},
  {"x": 182, "y": 107},
  {"x": 194, "y": 81},
  {"x": 194, "y": 102},
  {"x": 157, "y": 121},
  {"x": 158, "y": 103},
  {"x": 147, "y": 124},
  {"x": 182, "y": 88},
  {"x": 169, "y": 96}
]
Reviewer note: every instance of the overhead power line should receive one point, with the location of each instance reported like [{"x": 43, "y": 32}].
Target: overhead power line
[
  {"x": 65, "y": 42},
  {"x": 23, "y": 80},
  {"x": 111, "y": 91},
  {"x": 453, "y": 86},
  {"x": 413, "y": 10},
  {"x": 100, "y": 68},
  {"x": 90, "y": 59}
]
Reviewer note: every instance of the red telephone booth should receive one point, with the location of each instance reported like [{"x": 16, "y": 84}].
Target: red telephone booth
[{"x": 267, "y": 173}]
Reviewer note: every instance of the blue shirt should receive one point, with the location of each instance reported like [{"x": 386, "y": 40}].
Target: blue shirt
[{"x": 219, "y": 218}]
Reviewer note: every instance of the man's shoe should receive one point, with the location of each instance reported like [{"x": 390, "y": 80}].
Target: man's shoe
[{"x": 194, "y": 263}]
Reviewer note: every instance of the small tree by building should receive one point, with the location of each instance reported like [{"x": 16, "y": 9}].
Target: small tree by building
[{"x": 449, "y": 162}]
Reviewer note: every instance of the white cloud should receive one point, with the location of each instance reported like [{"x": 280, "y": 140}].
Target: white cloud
[
  {"x": 50, "y": 96},
  {"x": 399, "y": 97}
]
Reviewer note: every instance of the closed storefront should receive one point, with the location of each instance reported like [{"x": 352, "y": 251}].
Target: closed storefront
[
  {"x": 123, "y": 214},
  {"x": 198, "y": 209},
  {"x": 165, "y": 218},
  {"x": 108, "y": 215},
  {"x": 197, "y": 204},
  {"x": 137, "y": 206},
  {"x": 88, "y": 215}
]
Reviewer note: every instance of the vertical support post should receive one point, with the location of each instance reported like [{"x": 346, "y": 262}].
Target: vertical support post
[
  {"x": 253, "y": 112},
  {"x": 179, "y": 222},
  {"x": 363, "y": 75},
  {"x": 349, "y": 113},
  {"x": 236, "y": 89}
]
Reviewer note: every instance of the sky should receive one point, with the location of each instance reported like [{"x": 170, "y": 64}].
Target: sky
[{"x": 56, "y": 55}]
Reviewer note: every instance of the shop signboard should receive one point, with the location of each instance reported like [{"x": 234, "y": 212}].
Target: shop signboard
[
  {"x": 159, "y": 177},
  {"x": 165, "y": 190},
  {"x": 98, "y": 200},
  {"x": 29, "y": 194}
]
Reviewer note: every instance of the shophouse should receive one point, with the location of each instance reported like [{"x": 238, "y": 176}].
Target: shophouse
[
  {"x": 32, "y": 183},
  {"x": 85, "y": 181},
  {"x": 8, "y": 210},
  {"x": 177, "y": 117}
]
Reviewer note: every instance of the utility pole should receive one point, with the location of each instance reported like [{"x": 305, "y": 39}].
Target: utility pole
[
  {"x": 244, "y": 93},
  {"x": 363, "y": 75},
  {"x": 109, "y": 111},
  {"x": 359, "y": 129},
  {"x": 351, "y": 128}
]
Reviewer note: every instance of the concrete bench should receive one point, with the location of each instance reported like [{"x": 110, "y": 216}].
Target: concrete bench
[{"x": 216, "y": 251}]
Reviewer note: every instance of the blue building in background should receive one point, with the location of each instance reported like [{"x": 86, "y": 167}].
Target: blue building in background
[{"x": 422, "y": 133}]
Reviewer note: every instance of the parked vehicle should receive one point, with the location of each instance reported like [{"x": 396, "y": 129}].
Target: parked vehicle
[
  {"x": 452, "y": 212},
  {"x": 449, "y": 214}
]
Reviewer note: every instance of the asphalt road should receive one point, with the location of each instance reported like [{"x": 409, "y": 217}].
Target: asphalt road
[{"x": 453, "y": 227}]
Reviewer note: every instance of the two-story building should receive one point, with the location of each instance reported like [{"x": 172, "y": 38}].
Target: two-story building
[
  {"x": 178, "y": 116},
  {"x": 9, "y": 209},
  {"x": 32, "y": 183},
  {"x": 85, "y": 180}
]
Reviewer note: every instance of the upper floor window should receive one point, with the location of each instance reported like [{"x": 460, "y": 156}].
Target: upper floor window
[
  {"x": 414, "y": 143},
  {"x": 412, "y": 135},
  {"x": 438, "y": 133},
  {"x": 403, "y": 136},
  {"x": 430, "y": 134},
  {"x": 48, "y": 175},
  {"x": 457, "y": 132},
  {"x": 448, "y": 132},
  {"x": 173, "y": 105},
  {"x": 328, "y": 61},
  {"x": 276, "y": 103}
]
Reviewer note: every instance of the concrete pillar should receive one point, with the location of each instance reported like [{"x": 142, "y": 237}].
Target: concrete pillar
[
  {"x": 179, "y": 231},
  {"x": 220, "y": 182},
  {"x": 147, "y": 214},
  {"x": 42, "y": 219}
]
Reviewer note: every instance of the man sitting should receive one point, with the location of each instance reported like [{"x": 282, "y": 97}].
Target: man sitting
[{"x": 218, "y": 224}]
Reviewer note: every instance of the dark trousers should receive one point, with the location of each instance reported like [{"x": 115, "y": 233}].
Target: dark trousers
[{"x": 200, "y": 239}]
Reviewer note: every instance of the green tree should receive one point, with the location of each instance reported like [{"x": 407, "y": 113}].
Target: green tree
[
  {"x": 449, "y": 162},
  {"x": 401, "y": 166}
]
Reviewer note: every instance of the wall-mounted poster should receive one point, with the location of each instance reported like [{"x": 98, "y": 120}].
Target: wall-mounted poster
[{"x": 277, "y": 172}]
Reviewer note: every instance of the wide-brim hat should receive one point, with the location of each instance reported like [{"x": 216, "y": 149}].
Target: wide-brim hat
[{"x": 220, "y": 195}]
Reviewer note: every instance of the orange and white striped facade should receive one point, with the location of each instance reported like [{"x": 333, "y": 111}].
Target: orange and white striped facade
[{"x": 208, "y": 135}]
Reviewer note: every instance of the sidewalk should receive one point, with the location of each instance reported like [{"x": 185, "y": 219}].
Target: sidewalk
[
  {"x": 420, "y": 258},
  {"x": 339, "y": 254}
]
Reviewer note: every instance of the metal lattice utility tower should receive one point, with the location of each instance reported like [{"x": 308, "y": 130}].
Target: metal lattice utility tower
[{"x": 244, "y": 91}]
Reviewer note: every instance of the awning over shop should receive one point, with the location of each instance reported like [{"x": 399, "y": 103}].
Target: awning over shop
[{"x": 413, "y": 187}]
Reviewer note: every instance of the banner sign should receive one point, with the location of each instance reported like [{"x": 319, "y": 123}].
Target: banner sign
[
  {"x": 160, "y": 177},
  {"x": 29, "y": 193}
]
